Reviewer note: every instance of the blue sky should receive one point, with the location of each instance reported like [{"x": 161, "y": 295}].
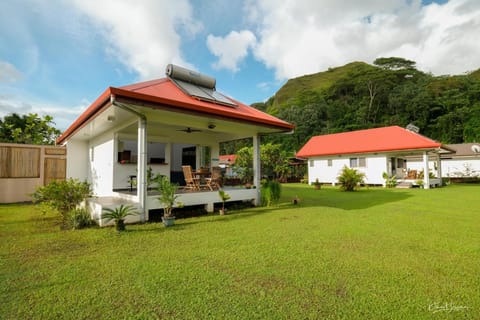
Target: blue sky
[{"x": 57, "y": 56}]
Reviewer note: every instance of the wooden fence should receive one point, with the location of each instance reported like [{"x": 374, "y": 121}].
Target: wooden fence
[{"x": 23, "y": 168}]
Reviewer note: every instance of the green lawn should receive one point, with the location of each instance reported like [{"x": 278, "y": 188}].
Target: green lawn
[{"x": 373, "y": 254}]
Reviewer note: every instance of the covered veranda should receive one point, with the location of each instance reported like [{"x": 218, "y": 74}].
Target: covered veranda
[{"x": 155, "y": 127}]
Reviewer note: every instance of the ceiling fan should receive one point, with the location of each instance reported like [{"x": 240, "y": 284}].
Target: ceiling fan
[{"x": 189, "y": 130}]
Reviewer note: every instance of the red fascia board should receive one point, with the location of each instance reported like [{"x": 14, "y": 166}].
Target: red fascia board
[
  {"x": 201, "y": 107},
  {"x": 86, "y": 115}
]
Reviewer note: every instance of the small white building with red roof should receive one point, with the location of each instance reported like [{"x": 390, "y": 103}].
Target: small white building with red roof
[
  {"x": 373, "y": 152},
  {"x": 156, "y": 127}
]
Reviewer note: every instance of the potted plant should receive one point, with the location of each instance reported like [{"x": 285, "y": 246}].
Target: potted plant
[
  {"x": 224, "y": 196},
  {"x": 167, "y": 199},
  {"x": 317, "y": 185},
  {"x": 118, "y": 215}
]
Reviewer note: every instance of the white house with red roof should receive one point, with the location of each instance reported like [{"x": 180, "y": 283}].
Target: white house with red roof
[
  {"x": 373, "y": 152},
  {"x": 158, "y": 126}
]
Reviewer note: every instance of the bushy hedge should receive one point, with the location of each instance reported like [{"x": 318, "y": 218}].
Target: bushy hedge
[{"x": 64, "y": 197}]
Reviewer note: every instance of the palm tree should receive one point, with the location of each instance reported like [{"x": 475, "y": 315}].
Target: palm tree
[
  {"x": 350, "y": 178},
  {"x": 224, "y": 196},
  {"x": 118, "y": 215}
]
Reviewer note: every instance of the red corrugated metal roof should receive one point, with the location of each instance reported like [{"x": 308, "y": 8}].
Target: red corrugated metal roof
[
  {"x": 165, "y": 93},
  {"x": 385, "y": 139}
]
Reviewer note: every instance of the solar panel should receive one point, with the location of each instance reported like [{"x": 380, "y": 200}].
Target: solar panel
[{"x": 203, "y": 93}]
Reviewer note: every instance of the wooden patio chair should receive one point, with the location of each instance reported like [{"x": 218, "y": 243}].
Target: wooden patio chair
[
  {"x": 215, "y": 181},
  {"x": 191, "y": 183}
]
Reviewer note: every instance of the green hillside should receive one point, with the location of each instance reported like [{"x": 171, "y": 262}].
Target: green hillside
[
  {"x": 475, "y": 74},
  {"x": 316, "y": 82},
  {"x": 391, "y": 92}
]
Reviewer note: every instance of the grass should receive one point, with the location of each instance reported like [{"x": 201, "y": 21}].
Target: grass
[{"x": 372, "y": 254}]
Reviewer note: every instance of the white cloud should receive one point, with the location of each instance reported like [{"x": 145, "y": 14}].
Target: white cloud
[
  {"x": 231, "y": 49},
  {"x": 301, "y": 37},
  {"x": 62, "y": 115},
  {"x": 8, "y": 73},
  {"x": 144, "y": 35}
]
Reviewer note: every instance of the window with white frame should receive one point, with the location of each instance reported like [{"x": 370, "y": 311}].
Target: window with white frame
[
  {"x": 329, "y": 162},
  {"x": 311, "y": 163},
  {"x": 358, "y": 162}
]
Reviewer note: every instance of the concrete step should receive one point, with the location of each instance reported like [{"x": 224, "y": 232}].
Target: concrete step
[{"x": 404, "y": 185}]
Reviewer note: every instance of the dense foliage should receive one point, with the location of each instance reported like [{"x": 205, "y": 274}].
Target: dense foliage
[
  {"x": 28, "y": 129},
  {"x": 274, "y": 162},
  {"x": 390, "y": 92}
]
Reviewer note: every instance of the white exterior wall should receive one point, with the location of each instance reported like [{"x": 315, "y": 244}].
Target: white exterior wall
[
  {"x": 77, "y": 160},
  {"x": 121, "y": 179},
  {"x": 101, "y": 162},
  {"x": 375, "y": 166},
  {"x": 321, "y": 171}
]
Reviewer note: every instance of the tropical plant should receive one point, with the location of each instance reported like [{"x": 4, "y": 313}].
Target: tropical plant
[
  {"x": 118, "y": 215},
  {"x": 244, "y": 164},
  {"x": 224, "y": 197},
  {"x": 79, "y": 218},
  {"x": 63, "y": 196},
  {"x": 350, "y": 178},
  {"x": 271, "y": 191},
  {"x": 390, "y": 181},
  {"x": 421, "y": 174},
  {"x": 168, "y": 195}
]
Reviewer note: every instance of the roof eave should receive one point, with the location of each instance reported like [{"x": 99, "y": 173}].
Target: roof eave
[
  {"x": 86, "y": 116},
  {"x": 105, "y": 97},
  {"x": 285, "y": 126}
]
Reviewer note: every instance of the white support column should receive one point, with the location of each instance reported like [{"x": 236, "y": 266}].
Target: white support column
[
  {"x": 256, "y": 167},
  {"x": 142, "y": 168},
  {"x": 439, "y": 169},
  {"x": 214, "y": 155},
  {"x": 198, "y": 156},
  {"x": 426, "y": 171}
]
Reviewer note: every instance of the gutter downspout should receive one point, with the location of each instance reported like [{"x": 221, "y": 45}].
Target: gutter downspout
[{"x": 142, "y": 156}]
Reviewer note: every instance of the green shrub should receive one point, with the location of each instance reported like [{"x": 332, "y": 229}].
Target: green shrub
[
  {"x": 79, "y": 218},
  {"x": 63, "y": 196},
  {"x": 271, "y": 191},
  {"x": 350, "y": 178}
]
